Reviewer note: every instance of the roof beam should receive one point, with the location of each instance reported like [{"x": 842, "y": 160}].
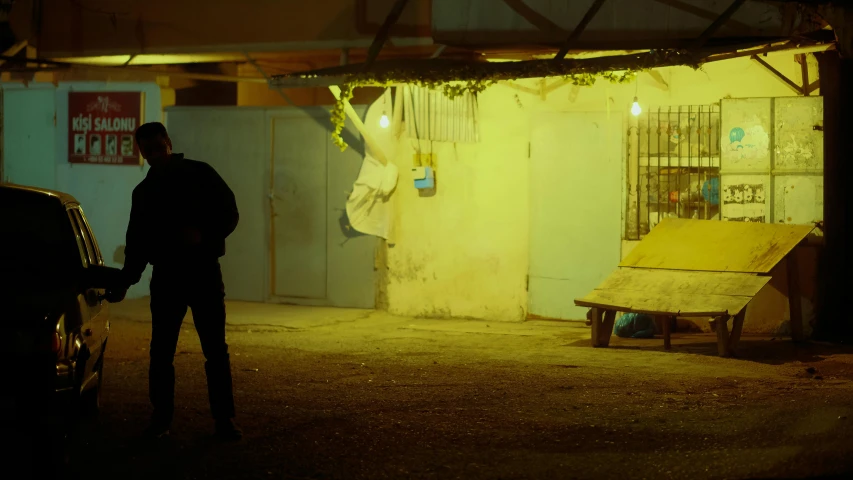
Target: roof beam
[
  {"x": 50, "y": 65},
  {"x": 702, "y": 13},
  {"x": 814, "y": 86},
  {"x": 778, "y": 74},
  {"x": 384, "y": 31},
  {"x": 538, "y": 20},
  {"x": 789, "y": 46},
  {"x": 590, "y": 14},
  {"x": 719, "y": 22},
  {"x": 14, "y": 49},
  {"x": 263, "y": 73},
  {"x": 459, "y": 70}
]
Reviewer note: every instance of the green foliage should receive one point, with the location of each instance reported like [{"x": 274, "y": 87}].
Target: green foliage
[{"x": 457, "y": 79}]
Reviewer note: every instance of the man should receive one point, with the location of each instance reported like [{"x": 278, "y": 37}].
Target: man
[{"x": 181, "y": 214}]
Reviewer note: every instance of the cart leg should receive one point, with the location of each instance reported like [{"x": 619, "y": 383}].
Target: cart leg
[
  {"x": 606, "y": 330},
  {"x": 602, "y": 326},
  {"x": 596, "y": 315},
  {"x": 666, "y": 325},
  {"x": 722, "y": 335},
  {"x": 737, "y": 328}
]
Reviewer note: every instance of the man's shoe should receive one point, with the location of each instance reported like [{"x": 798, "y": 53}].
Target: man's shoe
[
  {"x": 227, "y": 430},
  {"x": 156, "y": 430}
]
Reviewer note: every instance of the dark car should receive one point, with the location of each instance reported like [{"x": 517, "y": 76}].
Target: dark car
[{"x": 55, "y": 319}]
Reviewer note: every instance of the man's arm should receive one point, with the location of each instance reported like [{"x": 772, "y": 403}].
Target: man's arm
[
  {"x": 224, "y": 215},
  {"x": 135, "y": 250}
]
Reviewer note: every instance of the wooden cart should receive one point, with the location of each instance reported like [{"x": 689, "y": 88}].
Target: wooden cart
[{"x": 699, "y": 268}]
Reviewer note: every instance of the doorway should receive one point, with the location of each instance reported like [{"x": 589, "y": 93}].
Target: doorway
[{"x": 575, "y": 208}]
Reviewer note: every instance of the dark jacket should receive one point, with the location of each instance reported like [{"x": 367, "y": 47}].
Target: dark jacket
[{"x": 183, "y": 194}]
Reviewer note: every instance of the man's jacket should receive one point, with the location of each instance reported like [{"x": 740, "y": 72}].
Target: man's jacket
[{"x": 173, "y": 199}]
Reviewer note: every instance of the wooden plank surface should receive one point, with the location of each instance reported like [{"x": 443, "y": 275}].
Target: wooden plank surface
[
  {"x": 717, "y": 246},
  {"x": 684, "y": 282},
  {"x": 661, "y": 303}
]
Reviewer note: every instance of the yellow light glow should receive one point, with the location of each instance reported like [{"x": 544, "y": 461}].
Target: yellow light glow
[
  {"x": 384, "y": 122},
  {"x": 153, "y": 59},
  {"x": 635, "y": 108}
]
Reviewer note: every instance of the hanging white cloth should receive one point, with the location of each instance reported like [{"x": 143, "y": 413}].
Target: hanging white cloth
[{"x": 369, "y": 205}]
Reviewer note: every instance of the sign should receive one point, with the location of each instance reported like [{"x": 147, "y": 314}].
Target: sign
[{"x": 101, "y": 127}]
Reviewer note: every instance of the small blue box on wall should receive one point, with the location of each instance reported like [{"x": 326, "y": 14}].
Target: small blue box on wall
[{"x": 424, "y": 177}]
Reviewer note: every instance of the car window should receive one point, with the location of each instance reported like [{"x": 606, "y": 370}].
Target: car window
[
  {"x": 88, "y": 231},
  {"x": 81, "y": 244},
  {"x": 91, "y": 253}
]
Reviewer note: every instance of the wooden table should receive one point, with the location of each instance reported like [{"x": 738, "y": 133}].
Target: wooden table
[{"x": 698, "y": 268}]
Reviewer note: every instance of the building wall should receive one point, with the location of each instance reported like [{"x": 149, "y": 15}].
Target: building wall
[
  {"x": 35, "y": 143},
  {"x": 464, "y": 251}
]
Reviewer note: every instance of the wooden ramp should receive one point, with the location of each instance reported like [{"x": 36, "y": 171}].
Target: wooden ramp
[
  {"x": 696, "y": 268},
  {"x": 716, "y": 246},
  {"x": 674, "y": 292}
]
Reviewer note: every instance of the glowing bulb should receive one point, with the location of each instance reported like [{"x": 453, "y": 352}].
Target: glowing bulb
[
  {"x": 635, "y": 108},
  {"x": 384, "y": 122}
]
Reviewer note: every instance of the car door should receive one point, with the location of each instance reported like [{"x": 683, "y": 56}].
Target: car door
[
  {"x": 93, "y": 328},
  {"x": 100, "y": 321}
]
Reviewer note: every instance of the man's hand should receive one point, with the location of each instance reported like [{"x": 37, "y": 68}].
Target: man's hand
[{"x": 115, "y": 295}]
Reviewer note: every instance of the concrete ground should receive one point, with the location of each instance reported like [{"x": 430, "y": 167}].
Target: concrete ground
[{"x": 333, "y": 393}]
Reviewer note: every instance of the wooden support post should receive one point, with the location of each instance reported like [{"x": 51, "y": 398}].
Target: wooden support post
[
  {"x": 781, "y": 76},
  {"x": 737, "y": 329},
  {"x": 794, "y": 302},
  {"x": 557, "y": 84},
  {"x": 520, "y": 88},
  {"x": 722, "y": 335},
  {"x": 814, "y": 85},
  {"x": 596, "y": 318},
  {"x": 804, "y": 69},
  {"x": 602, "y": 326},
  {"x": 666, "y": 326},
  {"x": 606, "y": 330},
  {"x": 836, "y": 260}
]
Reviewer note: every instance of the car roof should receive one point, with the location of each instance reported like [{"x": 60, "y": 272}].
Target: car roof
[{"x": 64, "y": 198}]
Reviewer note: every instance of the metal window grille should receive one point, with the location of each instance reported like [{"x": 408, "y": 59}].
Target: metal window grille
[{"x": 673, "y": 166}]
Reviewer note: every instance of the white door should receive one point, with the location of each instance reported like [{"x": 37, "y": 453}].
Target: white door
[{"x": 575, "y": 208}]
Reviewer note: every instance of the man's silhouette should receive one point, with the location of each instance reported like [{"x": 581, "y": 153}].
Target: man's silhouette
[{"x": 181, "y": 214}]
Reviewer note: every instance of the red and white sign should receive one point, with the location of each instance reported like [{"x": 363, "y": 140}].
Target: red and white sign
[{"x": 101, "y": 127}]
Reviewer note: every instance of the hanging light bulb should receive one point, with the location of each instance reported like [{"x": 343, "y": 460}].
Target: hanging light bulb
[
  {"x": 384, "y": 122},
  {"x": 635, "y": 108}
]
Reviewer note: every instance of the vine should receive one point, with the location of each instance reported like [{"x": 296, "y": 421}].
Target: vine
[{"x": 455, "y": 80}]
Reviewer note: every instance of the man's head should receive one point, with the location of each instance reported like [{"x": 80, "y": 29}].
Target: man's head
[{"x": 154, "y": 143}]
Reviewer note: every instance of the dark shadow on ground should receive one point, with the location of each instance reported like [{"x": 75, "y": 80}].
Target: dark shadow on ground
[{"x": 770, "y": 351}]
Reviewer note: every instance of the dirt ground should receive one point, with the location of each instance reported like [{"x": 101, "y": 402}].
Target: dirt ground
[{"x": 331, "y": 393}]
